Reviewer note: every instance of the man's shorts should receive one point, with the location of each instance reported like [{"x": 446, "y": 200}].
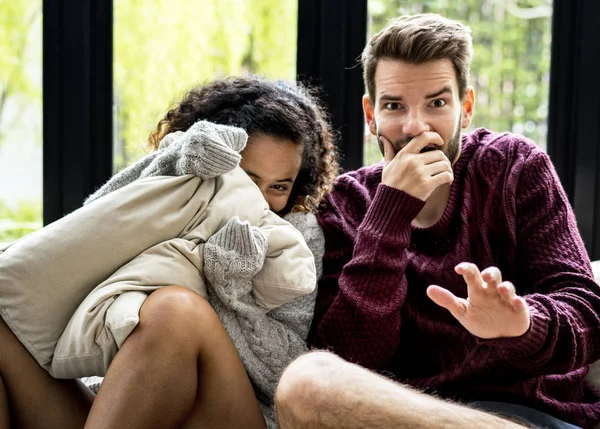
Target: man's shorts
[{"x": 522, "y": 414}]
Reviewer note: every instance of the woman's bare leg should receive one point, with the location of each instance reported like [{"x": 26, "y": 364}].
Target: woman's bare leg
[
  {"x": 35, "y": 399},
  {"x": 4, "y": 410},
  {"x": 178, "y": 367}
]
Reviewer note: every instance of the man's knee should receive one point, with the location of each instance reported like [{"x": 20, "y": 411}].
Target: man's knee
[{"x": 304, "y": 385}]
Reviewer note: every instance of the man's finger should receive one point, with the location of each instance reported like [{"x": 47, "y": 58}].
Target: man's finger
[
  {"x": 446, "y": 299},
  {"x": 472, "y": 276},
  {"x": 418, "y": 143},
  {"x": 507, "y": 291},
  {"x": 437, "y": 168},
  {"x": 519, "y": 304},
  {"x": 492, "y": 276},
  {"x": 388, "y": 149}
]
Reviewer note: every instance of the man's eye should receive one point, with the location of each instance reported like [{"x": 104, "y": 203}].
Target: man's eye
[
  {"x": 438, "y": 103},
  {"x": 393, "y": 106}
]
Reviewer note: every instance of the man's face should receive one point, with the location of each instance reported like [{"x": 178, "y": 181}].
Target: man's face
[{"x": 414, "y": 98}]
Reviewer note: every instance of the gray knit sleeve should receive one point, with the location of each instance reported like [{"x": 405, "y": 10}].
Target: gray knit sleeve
[
  {"x": 206, "y": 150},
  {"x": 232, "y": 256}
]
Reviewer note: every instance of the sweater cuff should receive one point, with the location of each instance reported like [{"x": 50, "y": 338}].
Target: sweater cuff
[
  {"x": 528, "y": 344},
  {"x": 391, "y": 212}
]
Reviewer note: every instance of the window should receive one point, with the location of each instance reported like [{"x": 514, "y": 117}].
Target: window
[
  {"x": 20, "y": 118},
  {"x": 511, "y": 61},
  {"x": 160, "y": 51}
]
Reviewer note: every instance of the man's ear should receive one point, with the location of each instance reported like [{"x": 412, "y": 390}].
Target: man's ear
[
  {"x": 369, "y": 113},
  {"x": 468, "y": 104}
]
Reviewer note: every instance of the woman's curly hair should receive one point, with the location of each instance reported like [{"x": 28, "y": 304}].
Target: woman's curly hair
[{"x": 276, "y": 109}]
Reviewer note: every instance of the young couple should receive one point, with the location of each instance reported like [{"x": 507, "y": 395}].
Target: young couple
[{"x": 456, "y": 291}]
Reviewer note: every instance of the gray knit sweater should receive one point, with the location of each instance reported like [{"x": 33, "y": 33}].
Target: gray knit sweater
[{"x": 266, "y": 341}]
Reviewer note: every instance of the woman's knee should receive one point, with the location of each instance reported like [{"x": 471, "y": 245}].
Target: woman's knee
[{"x": 174, "y": 314}]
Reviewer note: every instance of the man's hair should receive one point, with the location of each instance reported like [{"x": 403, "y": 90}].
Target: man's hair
[
  {"x": 278, "y": 109},
  {"x": 418, "y": 39}
]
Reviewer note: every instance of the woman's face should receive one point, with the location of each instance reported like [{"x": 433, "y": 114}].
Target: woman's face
[{"x": 273, "y": 165}]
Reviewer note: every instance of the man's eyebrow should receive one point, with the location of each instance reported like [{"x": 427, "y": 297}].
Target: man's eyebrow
[
  {"x": 390, "y": 97},
  {"x": 256, "y": 176},
  {"x": 440, "y": 92}
]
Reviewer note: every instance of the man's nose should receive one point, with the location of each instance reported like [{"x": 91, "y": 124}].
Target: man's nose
[{"x": 415, "y": 124}]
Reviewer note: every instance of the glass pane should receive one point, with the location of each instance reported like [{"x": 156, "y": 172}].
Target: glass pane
[
  {"x": 161, "y": 51},
  {"x": 511, "y": 62},
  {"x": 20, "y": 118}
]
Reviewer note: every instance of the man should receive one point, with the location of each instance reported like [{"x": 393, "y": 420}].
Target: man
[{"x": 402, "y": 292}]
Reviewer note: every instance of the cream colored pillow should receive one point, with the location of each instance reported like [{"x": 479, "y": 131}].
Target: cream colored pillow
[
  {"x": 47, "y": 274},
  {"x": 71, "y": 292}
]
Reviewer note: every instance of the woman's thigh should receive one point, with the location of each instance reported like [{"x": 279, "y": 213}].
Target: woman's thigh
[{"x": 36, "y": 399}]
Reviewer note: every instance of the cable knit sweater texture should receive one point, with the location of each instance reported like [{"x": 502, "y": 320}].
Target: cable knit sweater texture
[
  {"x": 266, "y": 342},
  {"x": 506, "y": 209}
]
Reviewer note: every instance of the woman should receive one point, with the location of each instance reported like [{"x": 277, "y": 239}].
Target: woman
[{"x": 179, "y": 367}]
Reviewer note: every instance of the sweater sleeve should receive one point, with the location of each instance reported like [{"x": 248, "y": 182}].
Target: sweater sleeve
[
  {"x": 560, "y": 290},
  {"x": 266, "y": 341},
  {"x": 363, "y": 287}
]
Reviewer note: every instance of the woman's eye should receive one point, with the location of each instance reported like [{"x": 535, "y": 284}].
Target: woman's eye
[
  {"x": 393, "y": 106},
  {"x": 438, "y": 103},
  {"x": 280, "y": 188}
]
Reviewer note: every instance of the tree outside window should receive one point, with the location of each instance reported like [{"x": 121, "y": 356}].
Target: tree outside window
[
  {"x": 162, "y": 50},
  {"x": 20, "y": 118}
]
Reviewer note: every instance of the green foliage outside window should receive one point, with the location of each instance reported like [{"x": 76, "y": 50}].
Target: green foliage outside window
[
  {"x": 20, "y": 109},
  {"x": 161, "y": 51},
  {"x": 16, "y": 84},
  {"x": 20, "y": 220}
]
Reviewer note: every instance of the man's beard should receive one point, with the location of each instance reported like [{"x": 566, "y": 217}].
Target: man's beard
[{"x": 451, "y": 151}]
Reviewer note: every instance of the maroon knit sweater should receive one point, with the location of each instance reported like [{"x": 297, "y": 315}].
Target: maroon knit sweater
[{"x": 507, "y": 209}]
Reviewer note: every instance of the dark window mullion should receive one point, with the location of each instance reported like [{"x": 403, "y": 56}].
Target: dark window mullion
[
  {"x": 574, "y": 131},
  {"x": 331, "y": 36},
  {"x": 77, "y": 88}
]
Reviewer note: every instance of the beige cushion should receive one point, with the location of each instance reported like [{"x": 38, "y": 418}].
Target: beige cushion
[{"x": 58, "y": 285}]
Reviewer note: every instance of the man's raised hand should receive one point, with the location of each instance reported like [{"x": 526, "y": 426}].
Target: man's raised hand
[{"x": 492, "y": 308}]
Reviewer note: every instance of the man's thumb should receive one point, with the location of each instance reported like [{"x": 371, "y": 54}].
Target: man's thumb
[{"x": 388, "y": 149}]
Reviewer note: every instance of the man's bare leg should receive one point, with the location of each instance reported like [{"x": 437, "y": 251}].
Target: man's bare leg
[
  {"x": 320, "y": 390},
  {"x": 35, "y": 399},
  {"x": 178, "y": 368}
]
